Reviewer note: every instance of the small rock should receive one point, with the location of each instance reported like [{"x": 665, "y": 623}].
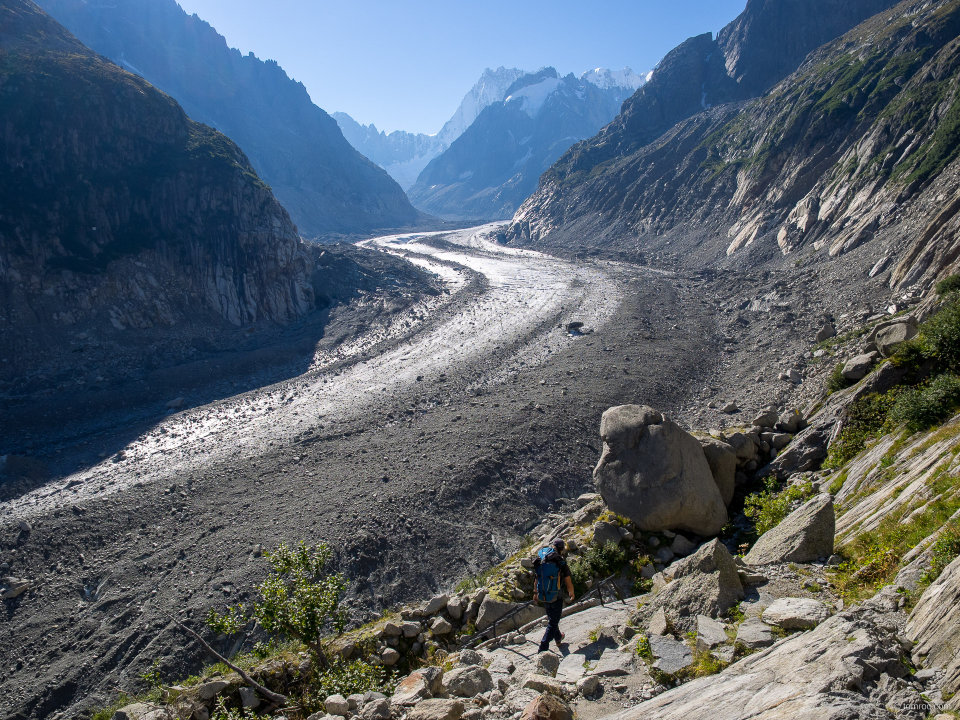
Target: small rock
[
  {"x": 467, "y": 681},
  {"x": 337, "y": 705},
  {"x": 209, "y": 690},
  {"x": 248, "y": 698},
  {"x": 25, "y": 526},
  {"x": 681, "y": 546},
  {"x": 435, "y": 605},
  {"x": 542, "y": 684},
  {"x": 376, "y": 710},
  {"x": 671, "y": 655},
  {"x": 658, "y": 624},
  {"x": 664, "y": 555},
  {"x": 470, "y": 657},
  {"x": 588, "y": 685},
  {"x": 709, "y": 633},
  {"x": 794, "y": 376},
  {"x": 547, "y": 707},
  {"x": 390, "y": 629},
  {"x": 796, "y": 613},
  {"x": 441, "y": 626},
  {"x": 587, "y": 498},
  {"x": 766, "y": 419},
  {"x": 754, "y": 634},
  {"x": 436, "y": 709},
  {"x": 730, "y": 408},
  {"x": 410, "y": 629},
  {"x": 176, "y": 403},
  {"x": 546, "y": 663},
  {"x": 826, "y": 331},
  {"x": 856, "y": 368},
  {"x": 389, "y": 657}
]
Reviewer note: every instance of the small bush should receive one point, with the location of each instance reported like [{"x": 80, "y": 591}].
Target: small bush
[
  {"x": 942, "y": 336},
  {"x": 596, "y": 562},
  {"x": 945, "y": 550},
  {"x": 922, "y": 407},
  {"x": 837, "y": 381},
  {"x": 949, "y": 284},
  {"x": 866, "y": 418},
  {"x": 344, "y": 677},
  {"x": 768, "y": 508}
]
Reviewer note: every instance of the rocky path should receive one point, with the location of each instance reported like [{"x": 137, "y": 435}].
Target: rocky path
[{"x": 422, "y": 452}]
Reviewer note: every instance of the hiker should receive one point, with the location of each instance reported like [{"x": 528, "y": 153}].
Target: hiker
[{"x": 550, "y": 567}]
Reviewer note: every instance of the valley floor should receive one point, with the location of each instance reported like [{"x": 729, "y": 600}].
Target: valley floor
[{"x": 422, "y": 452}]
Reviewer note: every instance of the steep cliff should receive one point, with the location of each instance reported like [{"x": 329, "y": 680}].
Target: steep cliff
[
  {"x": 859, "y": 143},
  {"x": 120, "y": 212},
  {"x": 324, "y": 183}
]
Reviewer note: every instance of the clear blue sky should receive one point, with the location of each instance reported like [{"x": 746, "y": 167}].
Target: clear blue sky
[{"x": 405, "y": 65}]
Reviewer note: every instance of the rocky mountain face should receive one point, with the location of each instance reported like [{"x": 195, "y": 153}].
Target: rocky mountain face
[
  {"x": 324, "y": 183},
  {"x": 404, "y": 155},
  {"x": 494, "y": 165},
  {"x": 121, "y": 212},
  {"x": 849, "y": 154}
]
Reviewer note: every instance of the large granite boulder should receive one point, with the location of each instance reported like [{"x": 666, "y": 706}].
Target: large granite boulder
[
  {"x": 655, "y": 473},
  {"x": 803, "y": 536},
  {"x": 934, "y": 625},
  {"x": 893, "y": 336},
  {"x": 706, "y": 583},
  {"x": 722, "y": 459}
]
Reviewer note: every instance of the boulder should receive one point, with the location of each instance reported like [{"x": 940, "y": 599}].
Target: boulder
[
  {"x": 436, "y": 709},
  {"x": 209, "y": 690},
  {"x": 389, "y": 657},
  {"x": 417, "y": 686},
  {"x": 435, "y": 605},
  {"x": 467, "y": 681},
  {"x": 766, "y": 419},
  {"x": 891, "y": 337},
  {"x": 671, "y": 655},
  {"x": 754, "y": 634},
  {"x": 655, "y": 473},
  {"x": 587, "y": 498},
  {"x": 803, "y": 536},
  {"x": 658, "y": 623},
  {"x": 709, "y": 633},
  {"x": 604, "y": 532},
  {"x": 857, "y": 367},
  {"x": 805, "y": 677},
  {"x": 934, "y": 625},
  {"x": 391, "y": 629},
  {"x": 790, "y": 422},
  {"x": 455, "y": 607},
  {"x": 468, "y": 656},
  {"x": 410, "y": 629},
  {"x": 336, "y": 705},
  {"x": 681, "y": 546},
  {"x": 706, "y": 583},
  {"x": 547, "y": 707},
  {"x": 722, "y": 459},
  {"x": 134, "y": 711},
  {"x": 492, "y": 610},
  {"x": 743, "y": 445},
  {"x": 546, "y": 663},
  {"x": 796, "y": 613},
  {"x": 376, "y": 710},
  {"x": 614, "y": 663},
  {"x": 441, "y": 626},
  {"x": 826, "y": 331},
  {"x": 588, "y": 685}
]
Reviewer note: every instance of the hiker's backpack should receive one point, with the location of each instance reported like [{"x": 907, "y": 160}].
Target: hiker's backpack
[{"x": 548, "y": 577}]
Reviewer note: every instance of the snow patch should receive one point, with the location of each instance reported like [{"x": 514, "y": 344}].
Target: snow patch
[
  {"x": 606, "y": 79},
  {"x": 533, "y": 97}
]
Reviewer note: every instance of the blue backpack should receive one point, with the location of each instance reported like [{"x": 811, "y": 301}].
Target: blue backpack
[{"x": 548, "y": 577}]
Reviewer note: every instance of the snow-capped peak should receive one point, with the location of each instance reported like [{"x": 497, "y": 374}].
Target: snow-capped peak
[
  {"x": 490, "y": 88},
  {"x": 606, "y": 79}
]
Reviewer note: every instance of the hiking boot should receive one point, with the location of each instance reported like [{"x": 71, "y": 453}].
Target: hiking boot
[{"x": 560, "y": 641}]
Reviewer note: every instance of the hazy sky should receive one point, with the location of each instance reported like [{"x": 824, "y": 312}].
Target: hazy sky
[{"x": 406, "y": 65}]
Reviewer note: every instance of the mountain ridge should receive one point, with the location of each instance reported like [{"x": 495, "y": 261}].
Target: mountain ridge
[{"x": 325, "y": 184}]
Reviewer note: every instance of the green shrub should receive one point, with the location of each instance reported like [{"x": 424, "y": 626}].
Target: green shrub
[
  {"x": 941, "y": 334},
  {"x": 299, "y": 599},
  {"x": 344, "y": 677},
  {"x": 949, "y": 284},
  {"x": 837, "y": 381},
  {"x": 866, "y": 419},
  {"x": 922, "y": 407},
  {"x": 596, "y": 561},
  {"x": 945, "y": 550},
  {"x": 768, "y": 508}
]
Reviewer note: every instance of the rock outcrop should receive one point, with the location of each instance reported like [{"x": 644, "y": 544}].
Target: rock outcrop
[
  {"x": 934, "y": 626},
  {"x": 804, "y": 535},
  {"x": 125, "y": 176},
  {"x": 820, "y": 674},
  {"x": 655, "y": 473}
]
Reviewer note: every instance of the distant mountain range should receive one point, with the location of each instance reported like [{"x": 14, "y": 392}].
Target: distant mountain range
[
  {"x": 404, "y": 155},
  {"x": 326, "y": 185},
  {"x": 495, "y": 163}
]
